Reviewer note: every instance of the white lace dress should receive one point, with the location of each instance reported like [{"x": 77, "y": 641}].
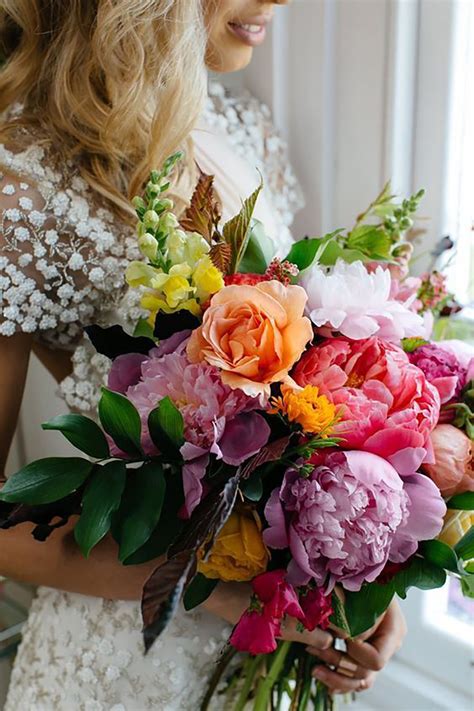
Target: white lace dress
[{"x": 62, "y": 263}]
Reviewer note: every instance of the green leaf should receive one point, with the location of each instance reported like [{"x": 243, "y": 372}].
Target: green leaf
[
  {"x": 46, "y": 480},
  {"x": 363, "y": 608},
  {"x": 410, "y": 345},
  {"x": 467, "y": 586},
  {"x": 465, "y": 547},
  {"x": 82, "y": 432},
  {"x": 198, "y": 591},
  {"x": 371, "y": 240},
  {"x": 420, "y": 574},
  {"x": 253, "y": 260},
  {"x": 166, "y": 427},
  {"x": 338, "y": 617},
  {"x": 121, "y": 421},
  {"x": 143, "y": 329},
  {"x": 333, "y": 251},
  {"x": 462, "y": 502},
  {"x": 252, "y": 488},
  {"x": 141, "y": 507},
  {"x": 440, "y": 554},
  {"x": 303, "y": 253},
  {"x": 236, "y": 232},
  {"x": 101, "y": 498}
]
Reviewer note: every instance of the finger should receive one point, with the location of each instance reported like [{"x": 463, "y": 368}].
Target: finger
[
  {"x": 339, "y": 683},
  {"x": 333, "y": 658},
  {"x": 338, "y": 632},
  {"x": 362, "y": 685},
  {"x": 376, "y": 652}
]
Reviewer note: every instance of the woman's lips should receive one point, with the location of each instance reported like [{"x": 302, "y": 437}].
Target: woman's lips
[{"x": 252, "y": 33}]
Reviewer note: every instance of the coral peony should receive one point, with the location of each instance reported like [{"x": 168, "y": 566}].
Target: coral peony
[
  {"x": 357, "y": 303},
  {"x": 349, "y": 517},
  {"x": 453, "y": 470},
  {"x": 442, "y": 369},
  {"x": 239, "y": 552},
  {"x": 254, "y": 334},
  {"x": 385, "y": 404}
]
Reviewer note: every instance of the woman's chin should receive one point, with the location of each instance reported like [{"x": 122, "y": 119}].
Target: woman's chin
[{"x": 226, "y": 62}]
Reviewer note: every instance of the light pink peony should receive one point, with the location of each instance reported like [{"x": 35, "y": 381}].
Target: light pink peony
[
  {"x": 386, "y": 404},
  {"x": 453, "y": 470},
  {"x": 357, "y": 303},
  {"x": 351, "y": 516}
]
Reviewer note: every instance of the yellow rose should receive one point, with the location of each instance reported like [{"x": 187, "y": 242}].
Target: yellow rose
[
  {"x": 207, "y": 279},
  {"x": 456, "y": 525},
  {"x": 239, "y": 552}
]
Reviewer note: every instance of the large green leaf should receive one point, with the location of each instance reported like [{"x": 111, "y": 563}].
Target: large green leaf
[
  {"x": 236, "y": 232},
  {"x": 102, "y": 497},
  {"x": 338, "y": 617},
  {"x": 440, "y": 554},
  {"x": 363, "y": 608},
  {"x": 465, "y": 547},
  {"x": 121, "y": 421},
  {"x": 198, "y": 591},
  {"x": 169, "y": 526},
  {"x": 372, "y": 240},
  {"x": 462, "y": 502},
  {"x": 82, "y": 432},
  {"x": 166, "y": 427},
  {"x": 253, "y": 261},
  {"x": 421, "y": 574},
  {"x": 46, "y": 480},
  {"x": 141, "y": 507}
]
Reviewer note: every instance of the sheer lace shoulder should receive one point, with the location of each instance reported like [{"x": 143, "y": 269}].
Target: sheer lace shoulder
[
  {"x": 247, "y": 122},
  {"x": 62, "y": 255}
]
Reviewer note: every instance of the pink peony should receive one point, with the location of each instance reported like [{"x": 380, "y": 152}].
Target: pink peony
[
  {"x": 453, "y": 470},
  {"x": 387, "y": 406},
  {"x": 217, "y": 419},
  {"x": 442, "y": 369},
  {"x": 351, "y": 516},
  {"x": 357, "y": 303}
]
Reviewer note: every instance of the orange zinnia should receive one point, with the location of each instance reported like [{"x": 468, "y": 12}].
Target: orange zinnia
[{"x": 314, "y": 412}]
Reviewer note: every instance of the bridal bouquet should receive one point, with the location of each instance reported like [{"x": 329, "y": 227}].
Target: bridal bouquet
[{"x": 289, "y": 424}]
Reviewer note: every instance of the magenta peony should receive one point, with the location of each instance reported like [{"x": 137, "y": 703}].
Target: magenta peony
[
  {"x": 442, "y": 369},
  {"x": 387, "y": 406},
  {"x": 351, "y": 516}
]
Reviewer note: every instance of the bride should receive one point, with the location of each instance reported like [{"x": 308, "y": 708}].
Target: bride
[{"x": 92, "y": 96}]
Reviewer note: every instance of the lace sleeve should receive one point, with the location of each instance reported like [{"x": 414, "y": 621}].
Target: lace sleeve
[{"x": 249, "y": 126}]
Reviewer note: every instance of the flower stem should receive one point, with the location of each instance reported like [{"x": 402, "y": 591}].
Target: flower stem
[
  {"x": 249, "y": 671},
  {"x": 216, "y": 677},
  {"x": 266, "y": 684}
]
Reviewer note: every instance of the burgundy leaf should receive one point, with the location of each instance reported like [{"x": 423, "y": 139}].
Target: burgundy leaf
[
  {"x": 47, "y": 517},
  {"x": 270, "y": 453},
  {"x": 165, "y": 587},
  {"x": 204, "y": 213}
]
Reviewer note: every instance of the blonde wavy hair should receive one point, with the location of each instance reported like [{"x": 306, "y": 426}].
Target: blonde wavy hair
[{"x": 116, "y": 84}]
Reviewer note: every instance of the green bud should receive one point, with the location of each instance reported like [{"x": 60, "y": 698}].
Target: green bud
[
  {"x": 138, "y": 203},
  {"x": 151, "y": 218}
]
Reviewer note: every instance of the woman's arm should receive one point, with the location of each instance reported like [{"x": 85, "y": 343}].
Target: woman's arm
[{"x": 56, "y": 562}]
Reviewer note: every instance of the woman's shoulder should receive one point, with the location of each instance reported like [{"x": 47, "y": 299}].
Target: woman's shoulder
[{"x": 248, "y": 125}]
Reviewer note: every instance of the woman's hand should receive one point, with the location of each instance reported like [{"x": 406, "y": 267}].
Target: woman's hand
[{"x": 365, "y": 657}]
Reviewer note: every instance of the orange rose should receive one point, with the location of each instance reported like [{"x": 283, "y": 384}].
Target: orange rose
[
  {"x": 254, "y": 334},
  {"x": 453, "y": 470}
]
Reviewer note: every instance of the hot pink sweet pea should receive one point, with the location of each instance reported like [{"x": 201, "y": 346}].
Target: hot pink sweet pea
[
  {"x": 349, "y": 517},
  {"x": 317, "y": 608},
  {"x": 387, "y": 406},
  {"x": 260, "y": 625}
]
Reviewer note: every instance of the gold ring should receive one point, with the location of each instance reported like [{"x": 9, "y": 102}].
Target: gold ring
[
  {"x": 346, "y": 667},
  {"x": 362, "y": 685}
]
